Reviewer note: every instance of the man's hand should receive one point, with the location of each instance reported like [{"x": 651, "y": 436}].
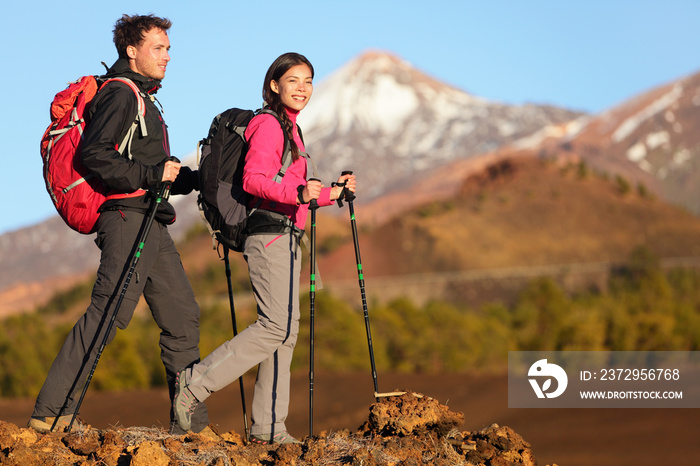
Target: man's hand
[{"x": 171, "y": 170}]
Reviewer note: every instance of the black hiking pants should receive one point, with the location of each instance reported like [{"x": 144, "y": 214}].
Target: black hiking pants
[{"x": 160, "y": 277}]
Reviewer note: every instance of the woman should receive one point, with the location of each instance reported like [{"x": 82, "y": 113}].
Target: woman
[{"x": 271, "y": 251}]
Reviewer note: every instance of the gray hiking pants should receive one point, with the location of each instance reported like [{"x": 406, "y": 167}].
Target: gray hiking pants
[
  {"x": 274, "y": 263},
  {"x": 160, "y": 277}
]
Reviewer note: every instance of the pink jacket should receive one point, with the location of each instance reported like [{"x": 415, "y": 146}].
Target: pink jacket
[{"x": 263, "y": 161}]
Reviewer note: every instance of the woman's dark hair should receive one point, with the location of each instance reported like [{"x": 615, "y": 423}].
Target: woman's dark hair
[
  {"x": 280, "y": 66},
  {"x": 131, "y": 30}
]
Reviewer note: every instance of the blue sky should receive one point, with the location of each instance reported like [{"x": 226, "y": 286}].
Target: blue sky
[{"x": 585, "y": 56}]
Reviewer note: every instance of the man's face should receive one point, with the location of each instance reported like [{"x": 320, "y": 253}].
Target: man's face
[{"x": 151, "y": 57}]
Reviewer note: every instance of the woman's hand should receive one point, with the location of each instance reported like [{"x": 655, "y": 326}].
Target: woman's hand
[
  {"x": 312, "y": 190},
  {"x": 344, "y": 181}
]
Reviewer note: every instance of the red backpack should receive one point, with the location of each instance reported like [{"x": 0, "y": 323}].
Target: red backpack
[{"x": 75, "y": 192}]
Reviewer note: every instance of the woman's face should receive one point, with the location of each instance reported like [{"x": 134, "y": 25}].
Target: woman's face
[{"x": 294, "y": 87}]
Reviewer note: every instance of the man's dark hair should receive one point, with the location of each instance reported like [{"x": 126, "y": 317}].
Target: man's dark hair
[{"x": 131, "y": 30}]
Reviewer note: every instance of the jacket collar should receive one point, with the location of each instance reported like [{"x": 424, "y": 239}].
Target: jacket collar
[{"x": 121, "y": 68}]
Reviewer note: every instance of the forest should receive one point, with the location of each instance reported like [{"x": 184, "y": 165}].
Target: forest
[{"x": 642, "y": 308}]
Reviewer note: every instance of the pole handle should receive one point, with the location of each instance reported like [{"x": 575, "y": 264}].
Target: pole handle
[
  {"x": 346, "y": 195},
  {"x": 313, "y": 203}
]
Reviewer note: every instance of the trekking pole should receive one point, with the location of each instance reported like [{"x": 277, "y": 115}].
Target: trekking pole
[
  {"x": 313, "y": 205},
  {"x": 235, "y": 332},
  {"x": 349, "y": 197},
  {"x": 140, "y": 242}
]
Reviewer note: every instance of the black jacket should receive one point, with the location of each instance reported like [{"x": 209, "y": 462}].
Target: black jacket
[{"x": 111, "y": 114}]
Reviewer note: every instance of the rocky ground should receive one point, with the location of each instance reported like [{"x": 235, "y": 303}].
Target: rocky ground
[{"x": 405, "y": 429}]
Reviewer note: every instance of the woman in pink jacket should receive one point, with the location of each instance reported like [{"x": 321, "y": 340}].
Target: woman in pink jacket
[{"x": 272, "y": 253}]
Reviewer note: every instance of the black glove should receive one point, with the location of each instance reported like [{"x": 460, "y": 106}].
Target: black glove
[{"x": 187, "y": 181}]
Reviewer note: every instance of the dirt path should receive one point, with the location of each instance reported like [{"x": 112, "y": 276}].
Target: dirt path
[{"x": 568, "y": 437}]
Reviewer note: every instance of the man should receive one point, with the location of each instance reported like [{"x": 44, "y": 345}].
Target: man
[{"x": 133, "y": 178}]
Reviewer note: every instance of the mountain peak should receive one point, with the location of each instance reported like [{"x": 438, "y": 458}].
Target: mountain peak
[
  {"x": 377, "y": 92},
  {"x": 379, "y": 64},
  {"x": 381, "y": 61},
  {"x": 378, "y": 55}
]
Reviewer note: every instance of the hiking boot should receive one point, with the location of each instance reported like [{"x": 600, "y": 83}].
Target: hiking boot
[
  {"x": 44, "y": 424},
  {"x": 279, "y": 437},
  {"x": 184, "y": 402}
]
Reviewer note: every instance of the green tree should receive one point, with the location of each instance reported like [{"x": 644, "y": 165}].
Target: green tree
[
  {"x": 540, "y": 314},
  {"x": 122, "y": 366},
  {"x": 26, "y": 352},
  {"x": 340, "y": 341}
]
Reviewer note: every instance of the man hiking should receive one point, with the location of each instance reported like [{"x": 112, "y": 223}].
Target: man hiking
[{"x": 133, "y": 179}]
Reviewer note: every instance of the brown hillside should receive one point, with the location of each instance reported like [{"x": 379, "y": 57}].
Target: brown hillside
[{"x": 523, "y": 212}]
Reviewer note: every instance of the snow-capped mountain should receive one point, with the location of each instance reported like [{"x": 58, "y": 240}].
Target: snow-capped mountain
[{"x": 387, "y": 121}]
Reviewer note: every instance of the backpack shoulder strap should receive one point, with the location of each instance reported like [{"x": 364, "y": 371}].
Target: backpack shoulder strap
[
  {"x": 314, "y": 169},
  {"x": 301, "y": 135},
  {"x": 287, "y": 154},
  {"x": 140, "y": 119}
]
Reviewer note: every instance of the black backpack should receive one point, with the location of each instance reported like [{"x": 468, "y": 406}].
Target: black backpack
[{"x": 221, "y": 156}]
